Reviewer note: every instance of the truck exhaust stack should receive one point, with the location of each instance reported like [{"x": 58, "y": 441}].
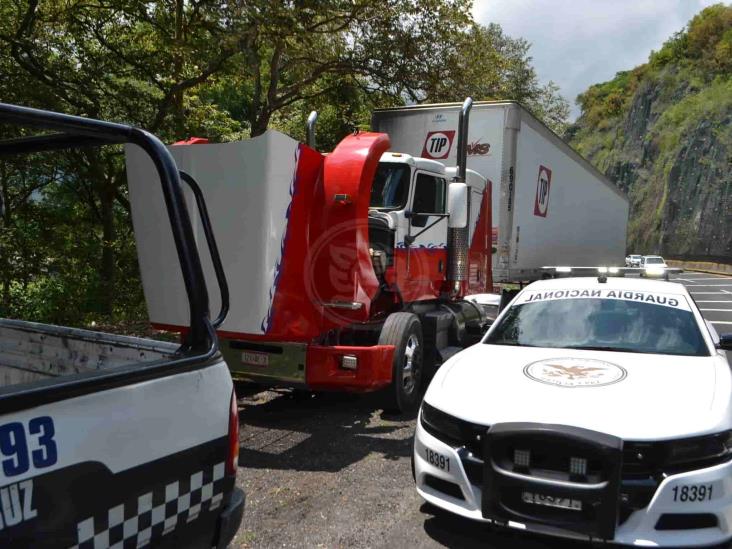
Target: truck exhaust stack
[
  {"x": 457, "y": 237},
  {"x": 462, "y": 144},
  {"x": 310, "y": 129}
]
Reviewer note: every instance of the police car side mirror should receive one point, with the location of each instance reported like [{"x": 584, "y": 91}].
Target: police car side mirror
[{"x": 725, "y": 342}]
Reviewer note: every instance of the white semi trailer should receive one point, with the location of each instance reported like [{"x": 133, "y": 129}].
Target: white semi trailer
[{"x": 550, "y": 206}]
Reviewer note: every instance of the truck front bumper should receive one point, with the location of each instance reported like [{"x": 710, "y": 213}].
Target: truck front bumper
[
  {"x": 231, "y": 518},
  {"x": 315, "y": 367},
  {"x": 662, "y": 523},
  {"x": 373, "y": 368}
]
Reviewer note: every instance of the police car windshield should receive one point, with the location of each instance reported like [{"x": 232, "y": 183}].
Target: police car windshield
[
  {"x": 602, "y": 324},
  {"x": 391, "y": 186}
]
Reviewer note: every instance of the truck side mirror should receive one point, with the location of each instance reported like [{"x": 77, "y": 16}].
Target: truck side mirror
[{"x": 457, "y": 203}]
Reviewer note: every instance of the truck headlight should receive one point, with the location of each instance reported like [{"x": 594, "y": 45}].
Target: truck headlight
[{"x": 655, "y": 271}]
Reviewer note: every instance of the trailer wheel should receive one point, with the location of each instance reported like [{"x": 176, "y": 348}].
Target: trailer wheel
[{"x": 404, "y": 331}]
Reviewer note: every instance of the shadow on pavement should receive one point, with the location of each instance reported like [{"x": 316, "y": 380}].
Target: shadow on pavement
[{"x": 323, "y": 432}]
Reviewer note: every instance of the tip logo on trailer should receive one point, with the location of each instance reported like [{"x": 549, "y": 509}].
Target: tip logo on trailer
[
  {"x": 543, "y": 184},
  {"x": 437, "y": 145}
]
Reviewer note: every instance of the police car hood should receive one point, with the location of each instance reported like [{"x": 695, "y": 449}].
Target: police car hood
[{"x": 634, "y": 396}]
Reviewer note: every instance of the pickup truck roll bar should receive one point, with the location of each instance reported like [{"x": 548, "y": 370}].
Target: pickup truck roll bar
[{"x": 78, "y": 132}]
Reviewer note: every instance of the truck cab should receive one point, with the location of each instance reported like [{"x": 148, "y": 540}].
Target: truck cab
[{"x": 409, "y": 218}]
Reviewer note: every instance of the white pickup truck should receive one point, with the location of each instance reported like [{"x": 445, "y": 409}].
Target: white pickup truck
[
  {"x": 596, "y": 408},
  {"x": 112, "y": 441}
]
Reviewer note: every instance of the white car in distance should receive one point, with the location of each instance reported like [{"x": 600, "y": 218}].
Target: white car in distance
[
  {"x": 653, "y": 266},
  {"x": 595, "y": 408},
  {"x": 633, "y": 260}
]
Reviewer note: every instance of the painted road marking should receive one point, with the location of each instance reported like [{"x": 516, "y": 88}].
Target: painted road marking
[
  {"x": 712, "y": 301},
  {"x": 708, "y": 278},
  {"x": 708, "y": 285},
  {"x": 723, "y": 310},
  {"x": 720, "y": 322}
]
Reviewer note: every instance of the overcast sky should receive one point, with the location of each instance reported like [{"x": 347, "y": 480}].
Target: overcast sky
[{"x": 577, "y": 43}]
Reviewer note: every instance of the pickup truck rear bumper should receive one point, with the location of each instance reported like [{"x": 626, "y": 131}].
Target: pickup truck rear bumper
[{"x": 230, "y": 518}]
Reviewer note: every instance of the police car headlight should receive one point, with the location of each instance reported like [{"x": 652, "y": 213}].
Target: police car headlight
[
  {"x": 713, "y": 449},
  {"x": 440, "y": 425},
  {"x": 449, "y": 429}
]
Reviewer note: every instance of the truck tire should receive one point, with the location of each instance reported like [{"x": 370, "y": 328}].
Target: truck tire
[{"x": 404, "y": 331}]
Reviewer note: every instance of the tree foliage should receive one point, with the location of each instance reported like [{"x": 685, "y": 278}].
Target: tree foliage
[
  {"x": 223, "y": 70},
  {"x": 702, "y": 51}
]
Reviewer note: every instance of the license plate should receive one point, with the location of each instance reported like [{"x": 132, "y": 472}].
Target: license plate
[
  {"x": 552, "y": 501},
  {"x": 437, "y": 460},
  {"x": 255, "y": 359}
]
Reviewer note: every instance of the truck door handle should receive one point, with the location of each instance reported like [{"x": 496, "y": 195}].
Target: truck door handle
[{"x": 212, "y": 247}]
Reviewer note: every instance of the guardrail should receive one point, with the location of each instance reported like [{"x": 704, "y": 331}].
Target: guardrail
[{"x": 702, "y": 266}]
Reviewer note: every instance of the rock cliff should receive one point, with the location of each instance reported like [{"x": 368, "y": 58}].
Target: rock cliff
[{"x": 663, "y": 133}]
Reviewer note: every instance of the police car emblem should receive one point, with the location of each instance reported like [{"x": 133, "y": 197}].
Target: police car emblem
[{"x": 575, "y": 372}]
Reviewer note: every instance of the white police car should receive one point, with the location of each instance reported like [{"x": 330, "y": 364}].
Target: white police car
[{"x": 593, "y": 408}]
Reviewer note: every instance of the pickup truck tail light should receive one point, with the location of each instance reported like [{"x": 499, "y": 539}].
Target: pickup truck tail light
[{"x": 232, "y": 459}]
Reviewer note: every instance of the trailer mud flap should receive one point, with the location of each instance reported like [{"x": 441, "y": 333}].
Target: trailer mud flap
[{"x": 552, "y": 477}]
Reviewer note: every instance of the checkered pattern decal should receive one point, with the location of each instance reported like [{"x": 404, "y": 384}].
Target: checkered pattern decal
[{"x": 153, "y": 514}]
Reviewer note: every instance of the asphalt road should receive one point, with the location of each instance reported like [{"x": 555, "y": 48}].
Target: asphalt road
[
  {"x": 334, "y": 471},
  {"x": 713, "y": 296}
]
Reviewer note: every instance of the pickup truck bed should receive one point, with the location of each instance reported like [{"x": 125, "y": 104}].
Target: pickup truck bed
[
  {"x": 140, "y": 460},
  {"x": 30, "y": 351}
]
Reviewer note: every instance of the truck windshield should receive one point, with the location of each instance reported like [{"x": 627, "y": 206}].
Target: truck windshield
[
  {"x": 654, "y": 260},
  {"x": 391, "y": 186},
  {"x": 601, "y": 324}
]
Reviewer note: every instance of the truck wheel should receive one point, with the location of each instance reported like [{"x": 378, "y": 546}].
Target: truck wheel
[{"x": 404, "y": 331}]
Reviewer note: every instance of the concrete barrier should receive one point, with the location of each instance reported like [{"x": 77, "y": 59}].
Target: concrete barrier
[{"x": 702, "y": 266}]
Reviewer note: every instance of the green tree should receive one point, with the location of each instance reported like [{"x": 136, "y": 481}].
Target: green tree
[{"x": 221, "y": 70}]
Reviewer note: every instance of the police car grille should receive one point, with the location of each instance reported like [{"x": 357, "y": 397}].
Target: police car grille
[{"x": 545, "y": 459}]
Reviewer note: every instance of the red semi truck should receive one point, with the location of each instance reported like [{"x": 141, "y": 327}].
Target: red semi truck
[{"x": 348, "y": 270}]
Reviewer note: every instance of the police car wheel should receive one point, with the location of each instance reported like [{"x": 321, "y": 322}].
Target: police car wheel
[{"x": 404, "y": 331}]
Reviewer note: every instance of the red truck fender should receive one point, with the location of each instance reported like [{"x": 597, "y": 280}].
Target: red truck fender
[{"x": 342, "y": 279}]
